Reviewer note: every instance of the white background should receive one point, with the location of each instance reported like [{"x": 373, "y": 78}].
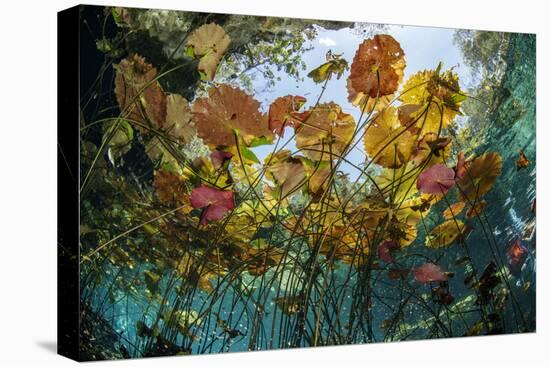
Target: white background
[{"x": 28, "y": 182}]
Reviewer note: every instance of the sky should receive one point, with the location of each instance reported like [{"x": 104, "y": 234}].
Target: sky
[{"x": 424, "y": 48}]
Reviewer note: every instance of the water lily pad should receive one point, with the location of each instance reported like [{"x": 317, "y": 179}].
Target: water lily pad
[
  {"x": 429, "y": 272},
  {"x": 226, "y": 110},
  {"x": 216, "y": 203},
  {"x": 437, "y": 179},
  {"x": 445, "y": 234}
]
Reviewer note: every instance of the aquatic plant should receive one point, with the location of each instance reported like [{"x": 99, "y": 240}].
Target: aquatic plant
[{"x": 192, "y": 244}]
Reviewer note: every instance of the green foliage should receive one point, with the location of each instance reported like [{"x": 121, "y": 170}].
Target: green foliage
[
  {"x": 483, "y": 51},
  {"x": 256, "y": 61}
]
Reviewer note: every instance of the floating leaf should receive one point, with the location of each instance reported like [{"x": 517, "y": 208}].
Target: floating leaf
[
  {"x": 365, "y": 103},
  {"x": 454, "y": 210},
  {"x": 384, "y": 250},
  {"x": 138, "y": 94},
  {"x": 480, "y": 176},
  {"x": 216, "y": 203},
  {"x": 412, "y": 211},
  {"x": 476, "y": 209},
  {"x": 280, "y": 112},
  {"x": 431, "y": 100},
  {"x": 179, "y": 118},
  {"x": 522, "y": 161},
  {"x": 209, "y": 42},
  {"x": 287, "y": 173},
  {"x": 335, "y": 65},
  {"x": 516, "y": 253},
  {"x": 318, "y": 174},
  {"x": 324, "y": 132},
  {"x": 377, "y": 67},
  {"x": 445, "y": 234},
  {"x": 387, "y": 142},
  {"x": 225, "y": 110},
  {"x": 429, "y": 272},
  {"x": 437, "y": 179}
]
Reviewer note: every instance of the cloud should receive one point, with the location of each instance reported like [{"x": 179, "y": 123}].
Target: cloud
[{"x": 327, "y": 41}]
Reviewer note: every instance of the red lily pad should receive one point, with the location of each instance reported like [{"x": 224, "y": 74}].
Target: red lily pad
[
  {"x": 216, "y": 203},
  {"x": 429, "y": 272},
  {"x": 437, "y": 179},
  {"x": 516, "y": 254},
  {"x": 384, "y": 250}
]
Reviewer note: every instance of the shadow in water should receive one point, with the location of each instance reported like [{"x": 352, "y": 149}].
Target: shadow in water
[{"x": 48, "y": 345}]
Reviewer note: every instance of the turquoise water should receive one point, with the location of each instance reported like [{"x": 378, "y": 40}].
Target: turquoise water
[{"x": 515, "y": 116}]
